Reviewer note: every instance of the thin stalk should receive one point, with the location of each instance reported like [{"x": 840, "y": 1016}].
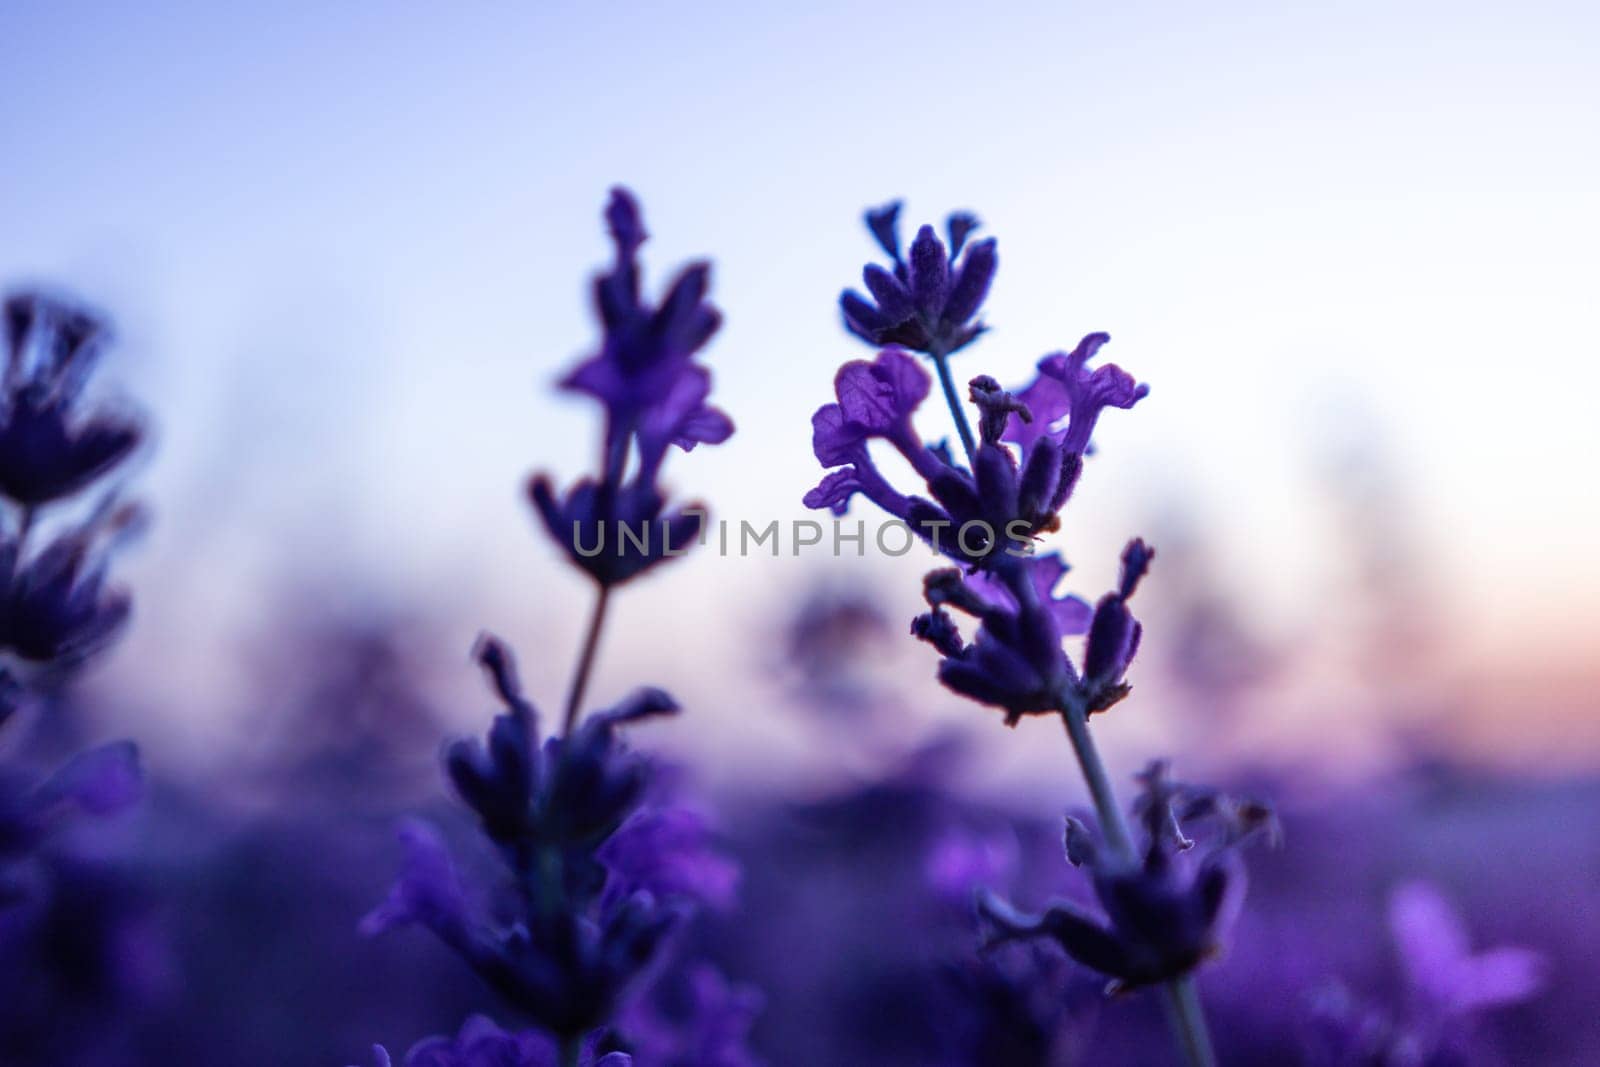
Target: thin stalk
[
  {"x": 1182, "y": 1000},
  {"x": 1112, "y": 822},
  {"x": 580, "y": 676},
  {"x": 953, "y": 398},
  {"x": 1188, "y": 1020},
  {"x": 571, "y": 1051}
]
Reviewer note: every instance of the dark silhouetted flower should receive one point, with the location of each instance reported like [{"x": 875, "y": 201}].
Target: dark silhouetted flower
[
  {"x": 696, "y": 1019},
  {"x": 928, "y": 300},
  {"x": 47, "y": 449},
  {"x": 481, "y": 1043},
  {"x": 1164, "y": 915},
  {"x": 55, "y": 608}
]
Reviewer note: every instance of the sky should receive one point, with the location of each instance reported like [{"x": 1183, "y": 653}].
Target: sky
[{"x": 346, "y": 249}]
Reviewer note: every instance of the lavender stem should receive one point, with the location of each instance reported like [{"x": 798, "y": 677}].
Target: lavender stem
[
  {"x": 580, "y": 677},
  {"x": 953, "y": 398},
  {"x": 1189, "y": 1021}
]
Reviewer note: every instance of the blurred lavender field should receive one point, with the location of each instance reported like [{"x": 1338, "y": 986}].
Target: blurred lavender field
[{"x": 331, "y": 338}]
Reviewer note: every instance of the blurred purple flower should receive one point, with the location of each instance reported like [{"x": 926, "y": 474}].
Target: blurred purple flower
[
  {"x": 963, "y": 860},
  {"x": 1440, "y": 966},
  {"x": 696, "y": 1019},
  {"x": 481, "y": 1043},
  {"x": 48, "y": 450},
  {"x": 669, "y": 853},
  {"x": 615, "y": 526},
  {"x": 55, "y": 608}
]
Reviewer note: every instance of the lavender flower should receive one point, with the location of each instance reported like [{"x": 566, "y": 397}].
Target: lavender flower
[
  {"x": 927, "y": 301},
  {"x": 600, "y": 878},
  {"x": 48, "y": 450},
  {"x": 654, "y": 395},
  {"x": 1164, "y": 916},
  {"x": 481, "y": 1043},
  {"x": 567, "y": 962},
  {"x": 55, "y": 608},
  {"x": 1163, "y": 919},
  {"x": 1447, "y": 986},
  {"x": 66, "y": 923}
]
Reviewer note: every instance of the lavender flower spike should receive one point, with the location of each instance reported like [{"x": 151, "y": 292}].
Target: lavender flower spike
[
  {"x": 929, "y": 300},
  {"x": 481, "y": 1043},
  {"x": 47, "y": 449},
  {"x": 616, "y": 525}
]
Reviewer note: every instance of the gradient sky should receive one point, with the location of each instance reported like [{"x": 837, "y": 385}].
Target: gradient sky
[{"x": 346, "y": 248}]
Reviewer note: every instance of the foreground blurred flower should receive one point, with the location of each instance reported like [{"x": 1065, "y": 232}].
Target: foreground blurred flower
[
  {"x": 601, "y": 874},
  {"x": 48, "y": 450},
  {"x": 483, "y": 1044},
  {"x": 69, "y": 926}
]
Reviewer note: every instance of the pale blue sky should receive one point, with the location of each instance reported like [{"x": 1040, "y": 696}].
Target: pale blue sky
[{"x": 346, "y": 246}]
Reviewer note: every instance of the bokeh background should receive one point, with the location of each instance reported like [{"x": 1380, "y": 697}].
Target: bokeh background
[{"x": 1351, "y": 247}]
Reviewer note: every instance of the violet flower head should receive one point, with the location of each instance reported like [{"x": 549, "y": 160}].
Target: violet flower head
[
  {"x": 616, "y": 525},
  {"x": 1167, "y": 913},
  {"x": 602, "y": 879},
  {"x": 927, "y": 300},
  {"x": 1449, "y": 979},
  {"x": 48, "y": 448},
  {"x": 56, "y": 608},
  {"x": 564, "y": 968},
  {"x": 482, "y": 1043}
]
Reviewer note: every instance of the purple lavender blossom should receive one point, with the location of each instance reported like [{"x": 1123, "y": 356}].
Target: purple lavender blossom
[
  {"x": 696, "y": 1019},
  {"x": 616, "y": 526},
  {"x": 481, "y": 1043},
  {"x": 928, "y": 300},
  {"x": 71, "y": 930},
  {"x": 55, "y": 608},
  {"x": 572, "y": 957},
  {"x": 1447, "y": 986},
  {"x": 1441, "y": 969},
  {"x": 1166, "y": 915}
]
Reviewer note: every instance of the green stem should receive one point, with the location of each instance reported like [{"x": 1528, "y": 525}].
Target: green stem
[
  {"x": 1182, "y": 1000},
  {"x": 953, "y": 398},
  {"x": 580, "y": 676},
  {"x": 1188, "y": 1021},
  {"x": 1112, "y": 823},
  {"x": 571, "y": 1051}
]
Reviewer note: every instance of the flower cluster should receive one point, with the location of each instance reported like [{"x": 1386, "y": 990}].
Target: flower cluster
[
  {"x": 583, "y": 937},
  {"x": 55, "y": 607},
  {"x": 654, "y": 396},
  {"x": 602, "y": 868},
  {"x": 1166, "y": 913},
  {"x": 1027, "y": 460},
  {"x": 57, "y": 611},
  {"x": 987, "y": 516},
  {"x": 929, "y": 300}
]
